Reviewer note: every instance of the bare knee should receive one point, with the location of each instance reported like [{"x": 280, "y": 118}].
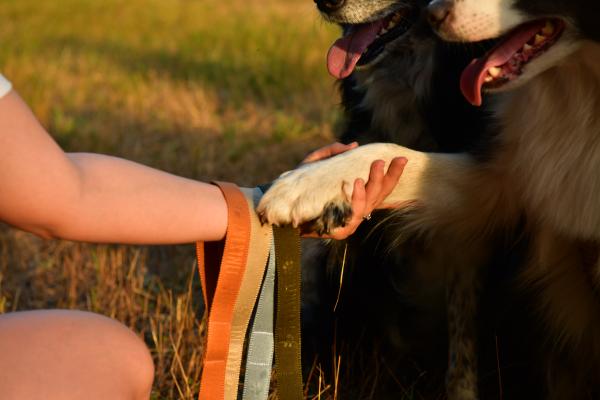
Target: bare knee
[
  {"x": 72, "y": 354},
  {"x": 141, "y": 367},
  {"x": 136, "y": 365}
]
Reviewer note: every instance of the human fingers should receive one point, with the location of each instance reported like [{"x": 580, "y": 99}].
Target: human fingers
[
  {"x": 359, "y": 205},
  {"x": 367, "y": 197},
  {"x": 374, "y": 184},
  {"x": 329, "y": 151},
  {"x": 390, "y": 180}
]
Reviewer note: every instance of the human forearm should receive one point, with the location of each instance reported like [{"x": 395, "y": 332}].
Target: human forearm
[
  {"x": 96, "y": 198},
  {"x": 120, "y": 201}
]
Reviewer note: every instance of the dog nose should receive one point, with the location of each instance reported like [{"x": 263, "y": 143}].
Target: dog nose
[
  {"x": 329, "y": 5},
  {"x": 438, "y": 11}
]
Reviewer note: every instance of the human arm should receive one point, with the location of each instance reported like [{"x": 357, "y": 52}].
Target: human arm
[
  {"x": 96, "y": 198},
  {"x": 104, "y": 199}
]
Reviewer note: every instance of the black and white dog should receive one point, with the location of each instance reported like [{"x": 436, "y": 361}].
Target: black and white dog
[
  {"x": 540, "y": 171},
  {"x": 399, "y": 84}
]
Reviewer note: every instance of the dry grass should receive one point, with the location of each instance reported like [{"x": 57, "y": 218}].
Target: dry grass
[{"x": 233, "y": 90}]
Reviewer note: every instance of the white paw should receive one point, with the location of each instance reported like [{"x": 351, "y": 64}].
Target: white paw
[{"x": 301, "y": 195}]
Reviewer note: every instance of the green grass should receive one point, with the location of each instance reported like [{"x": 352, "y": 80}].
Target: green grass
[
  {"x": 150, "y": 79},
  {"x": 234, "y": 90}
]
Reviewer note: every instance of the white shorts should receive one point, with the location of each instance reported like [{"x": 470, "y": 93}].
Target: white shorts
[{"x": 5, "y": 86}]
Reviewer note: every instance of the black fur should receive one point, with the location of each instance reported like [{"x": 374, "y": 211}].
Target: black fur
[
  {"x": 392, "y": 342},
  {"x": 585, "y": 12}
]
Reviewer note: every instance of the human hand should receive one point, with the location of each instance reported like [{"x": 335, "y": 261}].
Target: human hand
[
  {"x": 328, "y": 151},
  {"x": 366, "y": 196}
]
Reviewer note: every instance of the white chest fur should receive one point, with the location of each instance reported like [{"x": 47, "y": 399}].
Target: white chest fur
[{"x": 552, "y": 144}]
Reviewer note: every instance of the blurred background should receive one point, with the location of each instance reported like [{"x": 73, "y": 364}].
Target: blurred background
[{"x": 208, "y": 89}]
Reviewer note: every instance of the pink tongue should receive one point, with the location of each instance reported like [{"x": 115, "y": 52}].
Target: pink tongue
[
  {"x": 346, "y": 51},
  {"x": 473, "y": 76}
]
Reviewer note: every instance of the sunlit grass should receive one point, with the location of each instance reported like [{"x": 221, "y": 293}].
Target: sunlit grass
[
  {"x": 233, "y": 90},
  {"x": 148, "y": 79}
]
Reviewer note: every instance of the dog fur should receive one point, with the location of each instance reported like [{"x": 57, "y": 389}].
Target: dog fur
[
  {"x": 541, "y": 167},
  {"x": 409, "y": 97}
]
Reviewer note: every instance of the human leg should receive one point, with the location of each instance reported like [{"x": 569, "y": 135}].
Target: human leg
[{"x": 56, "y": 354}]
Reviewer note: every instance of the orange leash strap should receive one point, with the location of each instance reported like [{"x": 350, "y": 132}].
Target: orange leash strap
[{"x": 221, "y": 286}]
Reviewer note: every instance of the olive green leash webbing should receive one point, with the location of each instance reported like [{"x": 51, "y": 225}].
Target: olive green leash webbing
[{"x": 287, "y": 324}]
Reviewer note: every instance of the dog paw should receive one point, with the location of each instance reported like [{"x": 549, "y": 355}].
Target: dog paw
[
  {"x": 314, "y": 196},
  {"x": 335, "y": 215},
  {"x": 318, "y": 195}
]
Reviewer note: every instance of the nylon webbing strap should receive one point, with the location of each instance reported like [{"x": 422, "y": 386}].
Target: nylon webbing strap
[
  {"x": 231, "y": 274},
  {"x": 225, "y": 283},
  {"x": 287, "y": 328},
  {"x": 259, "y": 363},
  {"x": 258, "y": 253}
]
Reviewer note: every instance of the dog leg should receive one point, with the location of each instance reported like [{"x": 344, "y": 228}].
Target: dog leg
[{"x": 321, "y": 192}]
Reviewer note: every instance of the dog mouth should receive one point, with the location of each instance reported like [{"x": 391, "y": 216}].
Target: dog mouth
[
  {"x": 362, "y": 44},
  {"x": 507, "y": 60}
]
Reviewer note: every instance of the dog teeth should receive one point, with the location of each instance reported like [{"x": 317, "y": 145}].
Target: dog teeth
[
  {"x": 495, "y": 72},
  {"x": 392, "y": 23},
  {"x": 539, "y": 39},
  {"x": 548, "y": 30},
  {"x": 527, "y": 47},
  {"x": 394, "y": 20},
  {"x": 488, "y": 79}
]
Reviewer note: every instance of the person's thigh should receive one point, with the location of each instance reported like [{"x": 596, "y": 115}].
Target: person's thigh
[{"x": 67, "y": 355}]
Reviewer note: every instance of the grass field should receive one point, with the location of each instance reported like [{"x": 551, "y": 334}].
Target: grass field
[{"x": 234, "y": 90}]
